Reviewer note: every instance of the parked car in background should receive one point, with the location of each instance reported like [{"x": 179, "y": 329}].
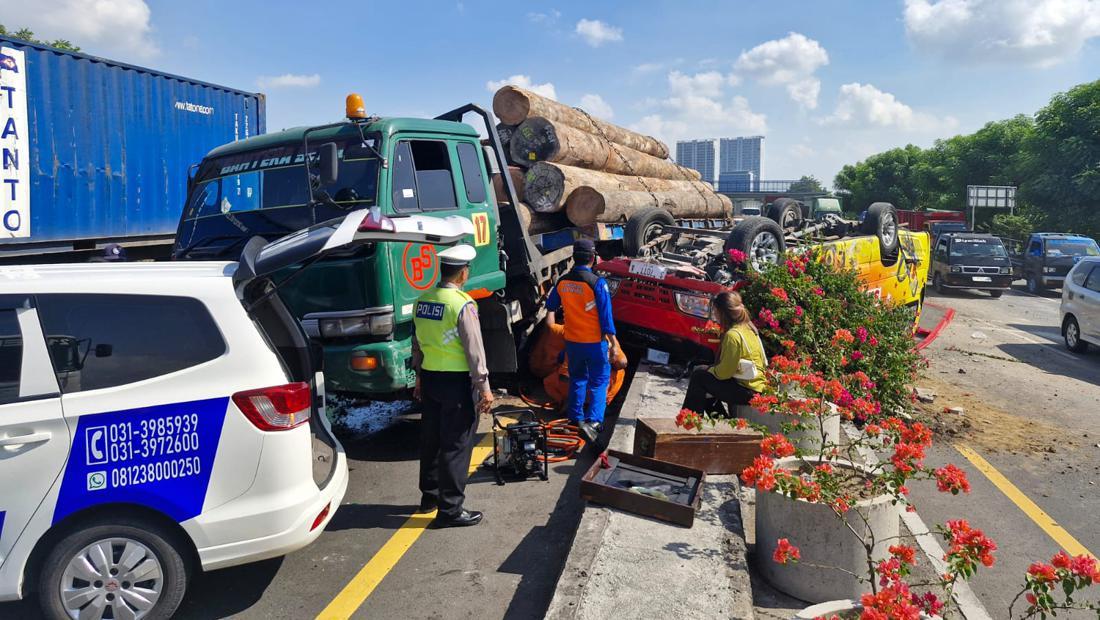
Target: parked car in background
[
  {"x": 972, "y": 261},
  {"x": 938, "y": 227},
  {"x": 1044, "y": 259},
  {"x": 157, "y": 419},
  {"x": 1080, "y": 307}
]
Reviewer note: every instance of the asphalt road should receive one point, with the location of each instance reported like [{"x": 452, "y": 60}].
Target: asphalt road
[
  {"x": 1034, "y": 414},
  {"x": 506, "y": 567}
]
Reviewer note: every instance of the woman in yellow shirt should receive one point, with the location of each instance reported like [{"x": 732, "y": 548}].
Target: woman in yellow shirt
[{"x": 738, "y": 373}]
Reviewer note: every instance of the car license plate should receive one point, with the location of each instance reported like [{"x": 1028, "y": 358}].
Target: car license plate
[
  {"x": 657, "y": 357},
  {"x": 649, "y": 270},
  {"x": 983, "y": 279}
]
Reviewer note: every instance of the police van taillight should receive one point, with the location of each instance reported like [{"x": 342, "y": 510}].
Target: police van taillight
[{"x": 276, "y": 408}]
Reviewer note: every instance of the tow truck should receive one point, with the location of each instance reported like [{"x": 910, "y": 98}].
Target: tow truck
[{"x": 661, "y": 298}]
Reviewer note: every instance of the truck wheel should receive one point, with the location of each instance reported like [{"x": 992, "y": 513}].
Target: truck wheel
[
  {"x": 996, "y": 294},
  {"x": 882, "y": 221},
  {"x": 126, "y": 568},
  {"x": 1071, "y": 331},
  {"x": 760, "y": 238},
  {"x": 787, "y": 213},
  {"x": 643, "y": 227},
  {"x": 1033, "y": 284},
  {"x": 937, "y": 283}
]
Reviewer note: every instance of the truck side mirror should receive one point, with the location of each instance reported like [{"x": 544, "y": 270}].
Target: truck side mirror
[{"x": 330, "y": 165}]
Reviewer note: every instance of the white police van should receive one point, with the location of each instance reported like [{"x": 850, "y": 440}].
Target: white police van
[{"x": 161, "y": 418}]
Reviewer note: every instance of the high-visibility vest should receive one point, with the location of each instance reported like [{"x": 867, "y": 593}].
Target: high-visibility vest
[
  {"x": 577, "y": 290},
  {"x": 436, "y": 322}
]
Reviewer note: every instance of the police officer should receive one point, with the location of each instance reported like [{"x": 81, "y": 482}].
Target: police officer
[
  {"x": 589, "y": 333},
  {"x": 452, "y": 383}
]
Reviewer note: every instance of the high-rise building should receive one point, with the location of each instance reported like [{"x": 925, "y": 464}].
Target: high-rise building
[
  {"x": 701, "y": 155},
  {"x": 742, "y": 154}
]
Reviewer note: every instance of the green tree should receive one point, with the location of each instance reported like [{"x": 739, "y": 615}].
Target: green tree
[
  {"x": 807, "y": 185},
  {"x": 27, "y": 35},
  {"x": 886, "y": 177}
]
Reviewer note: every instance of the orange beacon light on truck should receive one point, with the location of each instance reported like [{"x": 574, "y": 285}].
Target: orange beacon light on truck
[{"x": 354, "y": 108}]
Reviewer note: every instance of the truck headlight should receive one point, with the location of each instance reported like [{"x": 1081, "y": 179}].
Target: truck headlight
[
  {"x": 1006, "y": 270},
  {"x": 1049, "y": 269},
  {"x": 956, "y": 269},
  {"x": 695, "y": 305},
  {"x": 374, "y": 324}
]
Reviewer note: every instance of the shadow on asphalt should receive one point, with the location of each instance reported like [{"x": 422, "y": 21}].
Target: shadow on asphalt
[
  {"x": 391, "y": 444},
  {"x": 1039, "y": 356},
  {"x": 370, "y": 517},
  {"x": 229, "y": 591}
]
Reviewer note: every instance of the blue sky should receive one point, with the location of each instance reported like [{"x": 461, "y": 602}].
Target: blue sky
[{"x": 827, "y": 82}]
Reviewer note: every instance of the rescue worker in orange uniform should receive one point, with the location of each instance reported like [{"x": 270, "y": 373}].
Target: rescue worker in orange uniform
[{"x": 585, "y": 301}]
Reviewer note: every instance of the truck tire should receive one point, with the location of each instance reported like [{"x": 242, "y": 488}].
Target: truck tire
[
  {"x": 937, "y": 283},
  {"x": 760, "y": 238},
  {"x": 787, "y": 213},
  {"x": 154, "y": 563},
  {"x": 644, "y": 226},
  {"x": 996, "y": 294},
  {"x": 1071, "y": 331},
  {"x": 1033, "y": 285},
  {"x": 882, "y": 222}
]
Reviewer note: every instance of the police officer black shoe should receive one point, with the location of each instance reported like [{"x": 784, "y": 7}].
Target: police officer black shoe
[
  {"x": 463, "y": 519},
  {"x": 589, "y": 431}
]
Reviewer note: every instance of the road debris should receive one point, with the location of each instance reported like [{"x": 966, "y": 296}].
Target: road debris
[{"x": 924, "y": 395}]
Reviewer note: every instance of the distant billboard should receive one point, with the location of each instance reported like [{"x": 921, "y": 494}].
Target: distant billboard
[{"x": 991, "y": 196}]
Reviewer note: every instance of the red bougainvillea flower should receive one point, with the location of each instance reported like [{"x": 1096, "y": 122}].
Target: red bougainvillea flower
[
  {"x": 951, "y": 479},
  {"x": 820, "y": 292},
  {"x": 780, "y": 294},
  {"x": 843, "y": 335},
  {"x": 776, "y": 446},
  {"x": 969, "y": 545},
  {"x": 795, "y": 268},
  {"x": 738, "y": 257},
  {"x": 857, "y": 355},
  {"x": 761, "y": 474},
  {"x": 798, "y": 311},
  {"x": 1084, "y": 566},
  {"x": 688, "y": 419},
  {"x": 1031, "y": 600},
  {"x": 894, "y": 602},
  {"x": 861, "y": 333},
  {"x": 1061, "y": 560},
  {"x": 1041, "y": 573},
  {"x": 741, "y": 424},
  {"x": 786, "y": 552},
  {"x": 930, "y": 603},
  {"x": 906, "y": 554}
]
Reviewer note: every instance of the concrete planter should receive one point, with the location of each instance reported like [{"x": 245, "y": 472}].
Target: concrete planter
[
  {"x": 808, "y": 440},
  {"x": 831, "y": 608},
  {"x": 824, "y": 540}
]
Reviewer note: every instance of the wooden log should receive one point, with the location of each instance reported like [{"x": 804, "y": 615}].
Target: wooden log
[
  {"x": 538, "y": 223},
  {"x": 548, "y": 185},
  {"x": 517, "y": 182},
  {"x": 513, "y": 105},
  {"x": 538, "y": 139},
  {"x": 587, "y": 205}
]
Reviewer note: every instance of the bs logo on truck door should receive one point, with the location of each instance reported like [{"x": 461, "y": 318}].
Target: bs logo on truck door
[
  {"x": 481, "y": 229},
  {"x": 420, "y": 265}
]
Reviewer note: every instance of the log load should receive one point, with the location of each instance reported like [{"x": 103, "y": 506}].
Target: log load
[
  {"x": 588, "y": 205},
  {"x": 548, "y": 185},
  {"x": 540, "y": 139},
  {"x": 537, "y": 223},
  {"x": 517, "y": 182},
  {"x": 513, "y": 105}
]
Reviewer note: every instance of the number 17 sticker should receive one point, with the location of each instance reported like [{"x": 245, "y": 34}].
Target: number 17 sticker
[{"x": 481, "y": 229}]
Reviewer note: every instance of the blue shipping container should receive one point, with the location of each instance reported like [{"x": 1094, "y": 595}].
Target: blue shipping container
[{"x": 95, "y": 151}]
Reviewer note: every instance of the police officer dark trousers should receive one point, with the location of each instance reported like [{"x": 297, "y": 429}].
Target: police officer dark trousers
[
  {"x": 589, "y": 333},
  {"x": 452, "y": 384}
]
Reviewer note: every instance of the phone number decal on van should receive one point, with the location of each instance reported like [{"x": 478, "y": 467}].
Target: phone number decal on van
[{"x": 159, "y": 457}]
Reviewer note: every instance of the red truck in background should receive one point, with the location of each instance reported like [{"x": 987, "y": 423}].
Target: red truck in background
[{"x": 918, "y": 219}]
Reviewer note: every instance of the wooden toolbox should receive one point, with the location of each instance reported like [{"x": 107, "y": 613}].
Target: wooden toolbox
[
  {"x": 670, "y": 492},
  {"x": 719, "y": 450}
]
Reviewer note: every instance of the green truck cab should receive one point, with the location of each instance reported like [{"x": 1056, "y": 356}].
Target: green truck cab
[{"x": 359, "y": 304}]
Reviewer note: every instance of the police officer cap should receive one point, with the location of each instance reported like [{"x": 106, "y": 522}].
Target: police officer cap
[
  {"x": 584, "y": 246},
  {"x": 459, "y": 255}
]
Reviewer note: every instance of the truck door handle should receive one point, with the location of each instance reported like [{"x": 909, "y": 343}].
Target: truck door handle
[{"x": 20, "y": 440}]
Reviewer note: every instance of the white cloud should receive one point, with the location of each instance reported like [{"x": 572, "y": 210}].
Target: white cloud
[
  {"x": 102, "y": 26},
  {"x": 648, "y": 67},
  {"x": 550, "y": 16},
  {"x": 523, "y": 81},
  {"x": 1030, "y": 32},
  {"x": 791, "y": 62},
  {"x": 706, "y": 84},
  {"x": 288, "y": 80},
  {"x": 802, "y": 151},
  {"x": 863, "y": 105},
  {"x": 596, "y": 106},
  {"x": 596, "y": 33}
]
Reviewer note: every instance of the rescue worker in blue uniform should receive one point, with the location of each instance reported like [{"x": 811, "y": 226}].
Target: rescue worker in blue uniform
[
  {"x": 584, "y": 299},
  {"x": 452, "y": 384}
]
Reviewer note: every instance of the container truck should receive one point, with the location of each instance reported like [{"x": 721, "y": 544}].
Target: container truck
[
  {"x": 359, "y": 304},
  {"x": 96, "y": 152}
]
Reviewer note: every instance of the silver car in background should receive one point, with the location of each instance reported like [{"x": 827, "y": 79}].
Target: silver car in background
[{"x": 1080, "y": 308}]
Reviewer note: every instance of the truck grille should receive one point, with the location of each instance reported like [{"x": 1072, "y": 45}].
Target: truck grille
[{"x": 982, "y": 270}]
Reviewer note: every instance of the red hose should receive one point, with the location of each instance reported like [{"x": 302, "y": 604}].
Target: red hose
[{"x": 562, "y": 438}]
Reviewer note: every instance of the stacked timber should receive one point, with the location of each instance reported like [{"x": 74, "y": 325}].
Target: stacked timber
[{"x": 592, "y": 171}]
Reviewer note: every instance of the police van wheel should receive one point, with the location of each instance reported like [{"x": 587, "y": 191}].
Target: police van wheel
[{"x": 123, "y": 569}]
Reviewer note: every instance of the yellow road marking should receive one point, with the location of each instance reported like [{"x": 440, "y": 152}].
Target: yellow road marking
[
  {"x": 367, "y": 579},
  {"x": 1030, "y": 508}
]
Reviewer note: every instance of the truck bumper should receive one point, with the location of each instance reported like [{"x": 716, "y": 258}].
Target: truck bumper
[
  {"x": 998, "y": 282},
  {"x": 393, "y": 372},
  {"x": 1052, "y": 281}
]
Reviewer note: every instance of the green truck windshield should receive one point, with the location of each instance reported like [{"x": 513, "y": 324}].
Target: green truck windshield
[
  {"x": 1072, "y": 247},
  {"x": 275, "y": 179}
]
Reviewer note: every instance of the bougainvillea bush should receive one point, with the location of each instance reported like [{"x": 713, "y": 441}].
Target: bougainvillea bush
[{"x": 804, "y": 302}]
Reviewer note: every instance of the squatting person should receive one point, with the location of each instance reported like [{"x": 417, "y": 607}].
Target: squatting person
[
  {"x": 585, "y": 302},
  {"x": 738, "y": 373},
  {"x": 452, "y": 384}
]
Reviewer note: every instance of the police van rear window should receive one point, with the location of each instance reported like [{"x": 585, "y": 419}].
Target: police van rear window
[
  {"x": 101, "y": 341},
  {"x": 11, "y": 356}
]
